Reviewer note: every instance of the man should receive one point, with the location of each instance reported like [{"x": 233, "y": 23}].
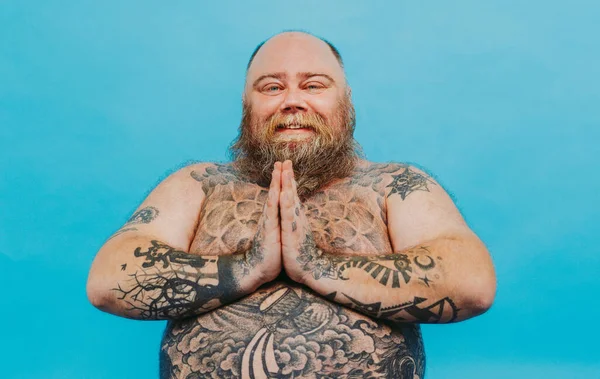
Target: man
[{"x": 299, "y": 259}]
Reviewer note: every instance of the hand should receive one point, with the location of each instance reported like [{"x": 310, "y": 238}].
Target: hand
[
  {"x": 264, "y": 256},
  {"x": 297, "y": 242}
]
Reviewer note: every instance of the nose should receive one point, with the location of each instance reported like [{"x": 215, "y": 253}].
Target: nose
[{"x": 293, "y": 102}]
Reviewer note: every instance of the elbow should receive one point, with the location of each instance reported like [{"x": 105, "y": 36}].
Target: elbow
[
  {"x": 478, "y": 295},
  {"x": 97, "y": 293},
  {"x": 477, "y": 283}
]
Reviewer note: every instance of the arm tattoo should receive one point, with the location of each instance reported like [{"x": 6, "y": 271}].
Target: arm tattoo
[
  {"x": 408, "y": 182},
  {"x": 417, "y": 310},
  {"x": 143, "y": 216},
  {"x": 392, "y": 270},
  {"x": 173, "y": 284}
]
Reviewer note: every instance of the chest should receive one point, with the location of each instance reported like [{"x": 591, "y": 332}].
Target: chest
[{"x": 345, "y": 219}]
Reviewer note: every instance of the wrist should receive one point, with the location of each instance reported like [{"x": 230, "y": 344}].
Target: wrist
[{"x": 321, "y": 285}]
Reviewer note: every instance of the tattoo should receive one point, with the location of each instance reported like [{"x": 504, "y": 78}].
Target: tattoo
[
  {"x": 229, "y": 217},
  {"x": 254, "y": 256},
  {"x": 425, "y": 280},
  {"x": 214, "y": 175},
  {"x": 331, "y": 296},
  {"x": 282, "y": 333},
  {"x": 347, "y": 218},
  {"x": 427, "y": 266},
  {"x": 294, "y": 226},
  {"x": 408, "y": 182},
  {"x": 372, "y": 175},
  {"x": 124, "y": 267},
  {"x": 287, "y": 332},
  {"x": 314, "y": 261},
  {"x": 352, "y": 217},
  {"x": 143, "y": 216},
  {"x": 166, "y": 254},
  {"x": 174, "y": 284},
  {"x": 418, "y": 310},
  {"x": 323, "y": 265}
]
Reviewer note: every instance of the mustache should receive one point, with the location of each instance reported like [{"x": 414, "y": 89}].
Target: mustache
[{"x": 313, "y": 121}]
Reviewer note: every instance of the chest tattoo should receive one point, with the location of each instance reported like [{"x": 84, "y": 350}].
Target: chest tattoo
[{"x": 346, "y": 218}]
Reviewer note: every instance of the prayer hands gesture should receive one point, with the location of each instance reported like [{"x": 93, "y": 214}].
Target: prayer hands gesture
[{"x": 285, "y": 231}]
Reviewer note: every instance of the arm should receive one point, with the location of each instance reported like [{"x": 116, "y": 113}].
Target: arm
[
  {"x": 439, "y": 272},
  {"x": 145, "y": 270}
]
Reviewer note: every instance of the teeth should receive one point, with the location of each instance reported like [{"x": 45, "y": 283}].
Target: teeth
[{"x": 290, "y": 127}]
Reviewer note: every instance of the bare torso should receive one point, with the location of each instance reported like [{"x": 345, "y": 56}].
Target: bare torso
[{"x": 284, "y": 330}]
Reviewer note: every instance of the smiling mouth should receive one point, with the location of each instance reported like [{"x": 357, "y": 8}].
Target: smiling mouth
[{"x": 293, "y": 127}]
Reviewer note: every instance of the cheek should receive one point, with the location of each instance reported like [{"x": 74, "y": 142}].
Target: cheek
[
  {"x": 326, "y": 107},
  {"x": 264, "y": 107}
]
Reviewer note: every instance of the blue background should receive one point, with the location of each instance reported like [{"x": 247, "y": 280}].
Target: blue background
[{"x": 499, "y": 99}]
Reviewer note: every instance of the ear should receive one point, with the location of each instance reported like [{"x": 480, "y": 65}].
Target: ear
[{"x": 245, "y": 94}]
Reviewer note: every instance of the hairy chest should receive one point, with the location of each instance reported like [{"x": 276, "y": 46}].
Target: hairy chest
[{"x": 345, "y": 219}]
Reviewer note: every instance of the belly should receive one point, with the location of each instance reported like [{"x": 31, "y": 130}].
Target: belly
[{"x": 285, "y": 331}]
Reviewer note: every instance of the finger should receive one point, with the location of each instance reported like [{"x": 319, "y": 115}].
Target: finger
[
  {"x": 288, "y": 178},
  {"x": 295, "y": 189},
  {"x": 276, "y": 178},
  {"x": 287, "y": 196},
  {"x": 286, "y": 167},
  {"x": 288, "y": 218},
  {"x": 272, "y": 206},
  {"x": 293, "y": 183}
]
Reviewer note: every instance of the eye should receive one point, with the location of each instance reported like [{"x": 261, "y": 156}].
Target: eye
[
  {"x": 314, "y": 87},
  {"x": 272, "y": 88}
]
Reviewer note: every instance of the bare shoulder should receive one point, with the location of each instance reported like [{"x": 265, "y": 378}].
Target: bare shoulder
[
  {"x": 419, "y": 208},
  {"x": 212, "y": 171},
  {"x": 169, "y": 212},
  {"x": 213, "y": 174}
]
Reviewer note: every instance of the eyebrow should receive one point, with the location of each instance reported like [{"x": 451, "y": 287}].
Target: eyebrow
[{"x": 283, "y": 75}]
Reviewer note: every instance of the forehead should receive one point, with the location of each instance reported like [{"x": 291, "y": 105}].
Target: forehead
[{"x": 292, "y": 53}]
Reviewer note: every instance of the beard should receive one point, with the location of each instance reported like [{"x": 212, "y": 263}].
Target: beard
[{"x": 331, "y": 152}]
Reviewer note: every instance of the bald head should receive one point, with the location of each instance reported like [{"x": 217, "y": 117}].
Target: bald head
[
  {"x": 333, "y": 49},
  {"x": 297, "y": 106},
  {"x": 295, "y": 51}
]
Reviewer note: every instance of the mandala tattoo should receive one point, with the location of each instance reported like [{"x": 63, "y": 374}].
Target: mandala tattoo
[
  {"x": 214, "y": 175},
  {"x": 231, "y": 213},
  {"x": 143, "y": 216},
  {"x": 373, "y": 175}
]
